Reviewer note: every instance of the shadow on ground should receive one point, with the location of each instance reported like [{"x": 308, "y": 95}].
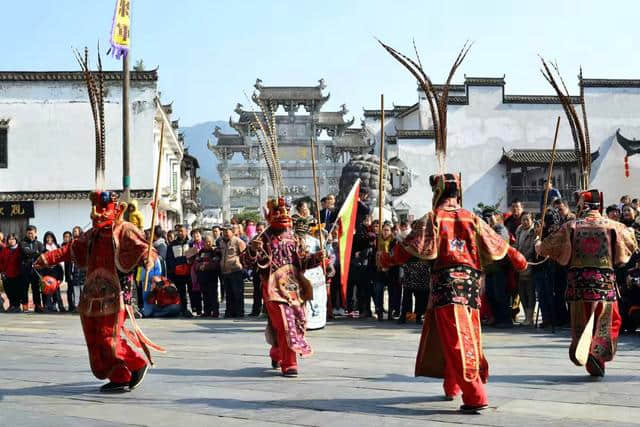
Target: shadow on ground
[{"x": 379, "y": 406}]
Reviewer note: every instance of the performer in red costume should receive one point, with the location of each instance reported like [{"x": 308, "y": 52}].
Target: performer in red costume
[
  {"x": 458, "y": 243},
  {"x": 109, "y": 250},
  {"x": 281, "y": 263},
  {"x": 112, "y": 247},
  {"x": 592, "y": 246}
]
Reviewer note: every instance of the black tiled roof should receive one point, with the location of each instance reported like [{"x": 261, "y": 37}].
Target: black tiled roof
[
  {"x": 8, "y": 196},
  {"x": 541, "y": 156},
  {"x": 611, "y": 82},
  {"x": 18, "y": 76}
]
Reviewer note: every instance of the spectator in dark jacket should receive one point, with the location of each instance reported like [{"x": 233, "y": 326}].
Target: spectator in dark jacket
[
  {"x": 10, "y": 270},
  {"x": 31, "y": 248},
  {"x": 207, "y": 267},
  {"x": 56, "y": 271},
  {"x": 553, "y": 195},
  {"x": 178, "y": 268}
]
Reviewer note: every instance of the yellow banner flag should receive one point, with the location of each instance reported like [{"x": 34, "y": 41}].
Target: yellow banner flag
[{"x": 121, "y": 28}]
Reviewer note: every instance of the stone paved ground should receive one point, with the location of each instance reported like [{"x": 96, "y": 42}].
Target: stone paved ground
[{"x": 216, "y": 374}]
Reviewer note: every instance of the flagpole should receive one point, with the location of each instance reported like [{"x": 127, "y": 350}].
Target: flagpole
[{"x": 335, "y": 224}]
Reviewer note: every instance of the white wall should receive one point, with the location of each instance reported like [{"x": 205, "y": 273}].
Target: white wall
[
  {"x": 478, "y": 132},
  {"x": 59, "y": 216},
  {"x": 51, "y": 143}
]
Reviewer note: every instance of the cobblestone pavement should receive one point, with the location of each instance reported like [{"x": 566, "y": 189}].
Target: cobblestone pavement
[{"x": 217, "y": 373}]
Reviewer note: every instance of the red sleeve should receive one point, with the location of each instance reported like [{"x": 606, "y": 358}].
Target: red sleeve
[
  {"x": 3, "y": 258},
  {"x": 399, "y": 256},
  {"x": 518, "y": 260},
  {"x": 62, "y": 254}
]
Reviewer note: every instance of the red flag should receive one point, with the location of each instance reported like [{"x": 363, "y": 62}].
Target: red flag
[{"x": 346, "y": 223}]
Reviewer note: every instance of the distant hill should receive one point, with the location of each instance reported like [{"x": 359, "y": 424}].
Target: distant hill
[{"x": 195, "y": 137}]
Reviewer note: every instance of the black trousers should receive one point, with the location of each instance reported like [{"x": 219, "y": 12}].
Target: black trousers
[
  {"x": 408, "y": 296},
  {"x": 31, "y": 279},
  {"x": 209, "y": 289},
  {"x": 71, "y": 296},
  {"x": 256, "y": 307},
  {"x": 13, "y": 288},
  {"x": 195, "y": 297},
  {"x": 181, "y": 284},
  {"x": 234, "y": 289},
  {"x": 559, "y": 301}
]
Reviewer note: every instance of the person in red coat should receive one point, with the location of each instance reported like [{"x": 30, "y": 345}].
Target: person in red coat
[
  {"x": 112, "y": 247},
  {"x": 10, "y": 257},
  {"x": 458, "y": 244}
]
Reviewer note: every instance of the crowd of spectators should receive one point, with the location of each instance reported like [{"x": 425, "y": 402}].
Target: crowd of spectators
[{"x": 197, "y": 270}]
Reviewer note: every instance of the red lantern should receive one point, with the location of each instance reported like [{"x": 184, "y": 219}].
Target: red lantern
[
  {"x": 626, "y": 166},
  {"x": 49, "y": 285}
]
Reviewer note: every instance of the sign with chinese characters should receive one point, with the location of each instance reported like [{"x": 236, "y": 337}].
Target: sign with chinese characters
[
  {"x": 121, "y": 29},
  {"x": 10, "y": 210}
]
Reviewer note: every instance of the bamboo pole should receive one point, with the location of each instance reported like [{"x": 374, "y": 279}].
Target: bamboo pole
[
  {"x": 381, "y": 166},
  {"x": 155, "y": 202},
  {"x": 546, "y": 190},
  {"x": 317, "y": 193}
]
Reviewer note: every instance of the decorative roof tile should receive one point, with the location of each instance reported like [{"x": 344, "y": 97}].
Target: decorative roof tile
[
  {"x": 291, "y": 93},
  {"x": 541, "y": 156},
  {"x": 20, "y": 76},
  {"x": 484, "y": 81},
  {"x": 611, "y": 82},
  {"x": 9, "y": 196},
  {"x": 415, "y": 134},
  {"x": 536, "y": 99}
]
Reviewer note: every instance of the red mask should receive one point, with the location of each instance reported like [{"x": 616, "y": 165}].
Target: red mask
[
  {"x": 278, "y": 214},
  {"x": 105, "y": 209}
]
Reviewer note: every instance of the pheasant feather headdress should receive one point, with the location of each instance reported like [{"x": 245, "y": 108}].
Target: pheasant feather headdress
[
  {"x": 264, "y": 127},
  {"x": 96, "y": 91},
  {"x": 579, "y": 129},
  {"x": 437, "y": 98}
]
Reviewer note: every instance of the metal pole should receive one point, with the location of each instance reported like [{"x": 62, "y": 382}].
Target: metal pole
[{"x": 126, "y": 174}]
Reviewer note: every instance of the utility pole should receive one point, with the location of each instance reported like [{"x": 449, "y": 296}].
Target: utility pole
[{"x": 126, "y": 174}]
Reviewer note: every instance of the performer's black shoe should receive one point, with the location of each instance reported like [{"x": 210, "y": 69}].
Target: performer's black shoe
[
  {"x": 290, "y": 373},
  {"x": 112, "y": 387},
  {"x": 137, "y": 377},
  {"x": 472, "y": 409},
  {"x": 594, "y": 368},
  {"x": 275, "y": 364}
]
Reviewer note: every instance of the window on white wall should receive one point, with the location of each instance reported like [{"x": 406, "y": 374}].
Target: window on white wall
[{"x": 4, "y": 149}]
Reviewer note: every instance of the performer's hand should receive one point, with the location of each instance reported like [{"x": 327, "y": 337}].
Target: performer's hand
[
  {"x": 149, "y": 264},
  {"x": 41, "y": 262},
  {"x": 256, "y": 245},
  {"x": 538, "y": 246}
]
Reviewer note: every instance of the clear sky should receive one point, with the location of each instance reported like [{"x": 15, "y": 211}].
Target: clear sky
[{"x": 209, "y": 51}]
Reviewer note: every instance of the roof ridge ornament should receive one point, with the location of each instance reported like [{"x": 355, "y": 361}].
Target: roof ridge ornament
[
  {"x": 258, "y": 84},
  {"x": 322, "y": 84}
]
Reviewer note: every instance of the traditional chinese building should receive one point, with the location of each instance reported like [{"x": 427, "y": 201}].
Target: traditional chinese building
[
  {"x": 246, "y": 184},
  {"x": 47, "y": 150},
  {"x": 501, "y": 143}
]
